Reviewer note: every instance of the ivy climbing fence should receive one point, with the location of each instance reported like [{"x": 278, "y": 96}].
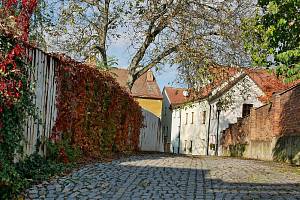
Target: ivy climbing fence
[
  {"x": 43, "y": 76},
  {"x": 78, "y": 101}
]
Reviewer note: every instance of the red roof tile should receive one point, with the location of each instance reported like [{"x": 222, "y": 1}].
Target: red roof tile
[
  {"x": 176, "y": 95},
  {"x": 141, "y": 88},
  {"x": 267, "y": 82}
]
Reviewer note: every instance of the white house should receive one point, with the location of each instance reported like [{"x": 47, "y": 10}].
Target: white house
[{"x": 194, "y": 126}]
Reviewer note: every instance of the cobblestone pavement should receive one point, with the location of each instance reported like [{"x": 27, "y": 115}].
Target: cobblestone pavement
[{"x": 167, "y": 177}]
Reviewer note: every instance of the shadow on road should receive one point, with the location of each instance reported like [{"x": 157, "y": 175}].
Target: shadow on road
[{"x": 157, "y": 177}]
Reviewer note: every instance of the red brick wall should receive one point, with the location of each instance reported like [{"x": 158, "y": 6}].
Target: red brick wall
[
  {"x": 281, "y": 117},
  {"x": 289, "y": 118}
]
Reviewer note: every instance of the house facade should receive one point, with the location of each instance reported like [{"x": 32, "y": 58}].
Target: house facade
[
  {"x": 145, "y": 90},
  {"x": 197, "y": 124}
]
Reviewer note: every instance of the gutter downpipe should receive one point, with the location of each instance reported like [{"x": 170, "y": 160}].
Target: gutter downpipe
[
  {"x": 179, "y": 130},
  {"x": 208, "y": 131}
]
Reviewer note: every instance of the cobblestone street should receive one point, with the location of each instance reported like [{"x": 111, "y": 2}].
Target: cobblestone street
[{"x": 166, "y": 177}]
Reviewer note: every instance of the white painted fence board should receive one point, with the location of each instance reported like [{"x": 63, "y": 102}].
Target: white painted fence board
[{"x": 43, "y": 75}]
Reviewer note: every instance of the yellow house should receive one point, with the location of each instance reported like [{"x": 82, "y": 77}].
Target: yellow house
[{"x": 145, "y": 90}]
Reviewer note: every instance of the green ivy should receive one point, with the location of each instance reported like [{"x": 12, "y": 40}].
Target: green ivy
[
  {"x": 53, "y": 150},
  {"x": 12, "y": 119}
]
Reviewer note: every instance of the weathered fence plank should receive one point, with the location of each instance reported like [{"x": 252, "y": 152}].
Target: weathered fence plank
[{"x": 43, "y": 75}]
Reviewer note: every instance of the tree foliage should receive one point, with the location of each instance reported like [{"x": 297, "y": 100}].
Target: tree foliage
[
  {"x": 82, "y": 28},
  {"x": 273, "y": 38},
  {"x": 190, "y": 34},
  {"x": 178, "y": 32}
]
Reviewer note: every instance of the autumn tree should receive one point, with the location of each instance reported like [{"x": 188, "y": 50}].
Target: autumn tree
[
  {"x": 191, "y": 34},
  {"x": 273, "y": 37},
  {"x": 186, "y": 33},
  {"x": 83, "y": 28}
]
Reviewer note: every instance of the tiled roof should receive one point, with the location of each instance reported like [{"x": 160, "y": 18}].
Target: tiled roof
[
  {"x": 141, "y": 88},
  {"x": 267, "y": 82},
  {"x": 176, "y": 95}
]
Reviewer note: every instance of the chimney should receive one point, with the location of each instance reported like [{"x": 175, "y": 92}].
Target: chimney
[{"x": 150, "y": 77}]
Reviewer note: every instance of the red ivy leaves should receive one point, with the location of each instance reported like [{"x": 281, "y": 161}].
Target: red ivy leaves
[
  {"x": 97, "y": 113},
  {"x": 22, "y": 11},
  {"x": 10, "y": 74},
  {"x": 63, "y": 155}
]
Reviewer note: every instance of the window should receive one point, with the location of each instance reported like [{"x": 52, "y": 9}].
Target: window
[
  {"x": 203, "y": 117},
  {"x": 167, "y": 130},
  {"x": 192, "y": 118},
  {"x": 186, "y": 117},
  {"x": 191, "y": 147},
  {"x": 246, "y": 109},
  {"x": 185, "y": 145}
]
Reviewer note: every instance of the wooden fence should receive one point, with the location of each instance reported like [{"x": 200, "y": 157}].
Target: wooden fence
[
  {"x": 43, "y": 76},
  {"x": 38, "y": 129}
]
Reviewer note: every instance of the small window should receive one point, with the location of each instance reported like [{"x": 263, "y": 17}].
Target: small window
[
  {"x": 186, "y": 118},
  {"x": 167, "y": 130},
  {"x": 185, "y": 142},
  {"x": 203, "y": 117},
  {"x": 192, "y": 118},
  {"x": 246, "y": 109}
]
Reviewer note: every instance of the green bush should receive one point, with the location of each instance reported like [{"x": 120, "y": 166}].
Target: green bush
[
  {"x": 36, "y": 168},
  {"x": 54, "y": 151},
  {"x": 15, "y": 177},
  {"x": 237, "y": 150},
  {"x": 33, "y": 169},
  {"x": 11, "y": 182}
]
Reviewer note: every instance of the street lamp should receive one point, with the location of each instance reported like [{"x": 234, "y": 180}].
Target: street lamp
[{"x": 219, "y": 108}]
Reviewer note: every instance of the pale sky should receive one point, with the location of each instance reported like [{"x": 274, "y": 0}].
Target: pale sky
[{"x": 165, "y": 77}]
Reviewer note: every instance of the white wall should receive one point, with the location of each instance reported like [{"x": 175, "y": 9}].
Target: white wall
[
  {"x": 166, "y": 117},
  {"x": 244, "y": 92},
  {"x": 175, "y": 128},
  {"x": 151, "y": 138},
  {"x": 193, "y": 132}
]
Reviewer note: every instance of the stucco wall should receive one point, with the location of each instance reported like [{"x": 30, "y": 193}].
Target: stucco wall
[
  {"x": 189, "y": 133},
  {"x": 166, "y": 120},
  {"x": 196, "y": 134},
  {"x": 151, "y": 138},
  {"x": 244, "y": 92},
  {"x": 175, "y": 129},
  {"x": 152, "y": 105}
]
